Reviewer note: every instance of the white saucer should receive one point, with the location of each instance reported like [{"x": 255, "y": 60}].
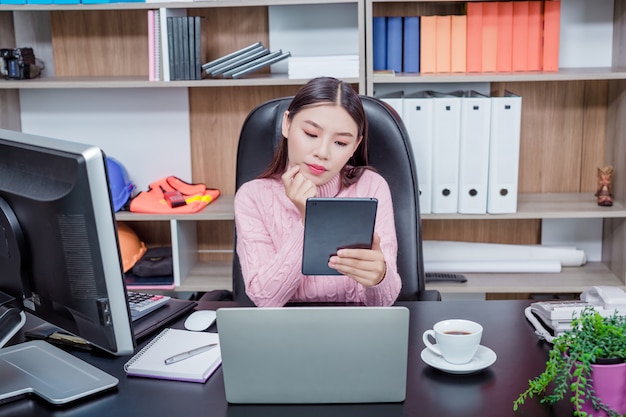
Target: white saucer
[{"x": 484, "y": 358}]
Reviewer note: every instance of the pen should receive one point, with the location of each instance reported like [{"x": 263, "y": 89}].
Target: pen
[{"x": 193, "y": 352}]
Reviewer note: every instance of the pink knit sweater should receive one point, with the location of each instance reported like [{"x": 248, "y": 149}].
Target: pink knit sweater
[{"x": 270, "y": 236}]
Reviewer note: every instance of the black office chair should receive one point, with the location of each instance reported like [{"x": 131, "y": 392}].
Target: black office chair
[{"x": 390, "y": 154}]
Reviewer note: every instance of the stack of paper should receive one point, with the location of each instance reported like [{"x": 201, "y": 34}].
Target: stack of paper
[
  {"x": 338, "y": 66},
  {"x": 453, "y": 257}
]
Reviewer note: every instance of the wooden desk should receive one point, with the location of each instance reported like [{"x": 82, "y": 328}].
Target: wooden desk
[{"x": 430, "y": 392}]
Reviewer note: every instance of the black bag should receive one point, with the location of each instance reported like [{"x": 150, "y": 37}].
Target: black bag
[{"x": 156, "y": 262}]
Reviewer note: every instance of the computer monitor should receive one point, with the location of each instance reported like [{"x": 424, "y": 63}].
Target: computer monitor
[{"x": 62, "y": 260}]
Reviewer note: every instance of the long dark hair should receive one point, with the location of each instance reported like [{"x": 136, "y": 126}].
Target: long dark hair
[{"x": 327, "y": 90}]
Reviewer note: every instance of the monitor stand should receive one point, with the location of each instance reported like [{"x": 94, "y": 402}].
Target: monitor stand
[{"x": 37, "y": 367}]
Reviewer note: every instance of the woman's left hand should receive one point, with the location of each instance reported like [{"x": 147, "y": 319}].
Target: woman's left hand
[{"x": 366, "y": 266}]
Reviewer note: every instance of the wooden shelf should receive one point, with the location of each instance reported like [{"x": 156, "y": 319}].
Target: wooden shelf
[
  {"x": 564, "y": 74},
  {"x": 530, "y": 206},
  {"x": 205, "y": 276},
  {"x": 546, "y": 206},
  {"x": 220, "y": 209},
  {"x": 168, "y": 4},
  {"x": 569, "y": 280},
  {"x": 255, "y": 80}
]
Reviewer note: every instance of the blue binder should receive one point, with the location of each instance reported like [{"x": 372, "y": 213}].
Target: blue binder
[
  {"x": 394, "y": 43},
  {"x": 411, "y": 44},
  {"x": 379, "y": 42}
]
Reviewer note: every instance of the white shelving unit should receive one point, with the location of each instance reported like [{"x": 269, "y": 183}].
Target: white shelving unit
[{"x": 573, "y": 121}]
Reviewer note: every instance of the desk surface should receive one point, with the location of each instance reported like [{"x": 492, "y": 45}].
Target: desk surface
[{"x": 430, "y": 392}]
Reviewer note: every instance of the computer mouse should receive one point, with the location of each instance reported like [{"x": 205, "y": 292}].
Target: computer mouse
[{"x": 200, "y": 320}]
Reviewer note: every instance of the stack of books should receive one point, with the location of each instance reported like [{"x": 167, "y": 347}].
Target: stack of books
[
  {"x": 497, "y": 36},
  {"x": 243, "y": 61},
  {"x": 174, "y": 45}
]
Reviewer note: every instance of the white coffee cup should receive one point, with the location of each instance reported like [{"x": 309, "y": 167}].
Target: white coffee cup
[{"x": 457, "y": 340}]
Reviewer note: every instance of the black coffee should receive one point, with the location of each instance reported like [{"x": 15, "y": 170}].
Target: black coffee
[{"x": 457, "y": 332}]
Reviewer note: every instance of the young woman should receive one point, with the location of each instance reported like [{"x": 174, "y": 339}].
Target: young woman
[{"x": 323, "y": 153}]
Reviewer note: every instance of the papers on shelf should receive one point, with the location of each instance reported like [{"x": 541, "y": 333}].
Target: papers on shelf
[
  {"x": 447, "y": 256},
  {"x": 339, "y": 66}
]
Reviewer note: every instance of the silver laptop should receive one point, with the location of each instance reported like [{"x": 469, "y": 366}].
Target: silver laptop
[{"x": 304, "y": 355}]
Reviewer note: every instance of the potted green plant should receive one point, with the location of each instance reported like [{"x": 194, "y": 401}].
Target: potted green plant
[{"x": 578, "y": 363}]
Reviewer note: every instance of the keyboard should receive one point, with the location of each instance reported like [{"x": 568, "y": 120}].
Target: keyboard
[{"x": 141, "y": 303}]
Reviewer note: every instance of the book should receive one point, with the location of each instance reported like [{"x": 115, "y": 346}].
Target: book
[
  {"x": 149, "y": 362},
  {"x": 411, "y": 45},
  {"x": 379, "y": 35},
  {"x": 151, "y": 48},
  {"x": 551, "y": 34},
  {"x": 394, "y": 43},
  {"x": 443, "y": 28},
  {"x": 474, "y": 37},
  {"x": 490, "y": 36},
  {"x": 520, "y": 36},
  {"x": 535, "y": 36},
  {"x": 428, "y": 44},
  {"x": 167, "y": 40},
  {"x": 260, "y": 63},
  {"x": 208, "y": 67},
  {"x": 197, "y": 48},
  {"x": 504, "y": 41},
  {"x": 458, "y": 44}
]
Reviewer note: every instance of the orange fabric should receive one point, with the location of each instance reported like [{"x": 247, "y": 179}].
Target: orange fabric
[{"x": 197, "y": 197}]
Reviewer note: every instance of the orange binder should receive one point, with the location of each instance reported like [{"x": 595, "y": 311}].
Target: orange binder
[
  {"x": 535, "y": 36},
  {"x": 428, "y": 44},
  {"x": 504, "y": 52},
  {"x": 551, "y": 34},
  {"x": 444, "y": 43},
  {"x": 490, "y": 36},
  {"x": 520, "y": 36},
  {"x": 458, "y": 48},
  {"x": 474, "y": 37}
]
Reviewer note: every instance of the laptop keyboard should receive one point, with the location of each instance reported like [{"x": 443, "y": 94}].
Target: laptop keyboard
[{"x": 141, "y": 303}]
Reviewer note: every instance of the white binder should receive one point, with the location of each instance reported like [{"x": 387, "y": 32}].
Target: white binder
[
  {"x": 474, "y": 153},
  {"x": 418, "y": 119},
  {"x": 446, "y": 136},
  {"x": 506, "y": 113},
  {"x": 395, "y": 100}
]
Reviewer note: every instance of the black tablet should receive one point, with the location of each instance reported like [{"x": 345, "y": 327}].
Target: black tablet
[{"x": 334, "y": 223}]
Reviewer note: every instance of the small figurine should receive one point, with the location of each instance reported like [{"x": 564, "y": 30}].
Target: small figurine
[{"x": 605, "y": 186}]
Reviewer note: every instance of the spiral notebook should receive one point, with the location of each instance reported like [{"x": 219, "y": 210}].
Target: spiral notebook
[{"x": 149, "y": 362}]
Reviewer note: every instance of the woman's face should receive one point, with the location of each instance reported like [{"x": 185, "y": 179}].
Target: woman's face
[{"x": 320, "y": 139}]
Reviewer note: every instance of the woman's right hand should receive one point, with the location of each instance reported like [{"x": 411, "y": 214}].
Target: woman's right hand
[{"x": 298, "y": 188}]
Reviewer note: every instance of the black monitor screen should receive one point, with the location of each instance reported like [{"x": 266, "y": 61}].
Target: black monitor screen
[{"x": 60, "y": 257}]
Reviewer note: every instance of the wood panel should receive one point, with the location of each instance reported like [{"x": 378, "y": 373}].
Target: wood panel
[
  {"x": 551, "y": 134},
  {"x": 9, "y": 99},
  {"x": 100, "y": 43},
  {"x": 227, "y": 29},
  {"x": 594, "y": 133},
  {"x": 216, "y": 117},
  {"x": 7, "y": 33},
  {"x": 417, "y": 9},
  {"x": 488, "y": 231}
]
